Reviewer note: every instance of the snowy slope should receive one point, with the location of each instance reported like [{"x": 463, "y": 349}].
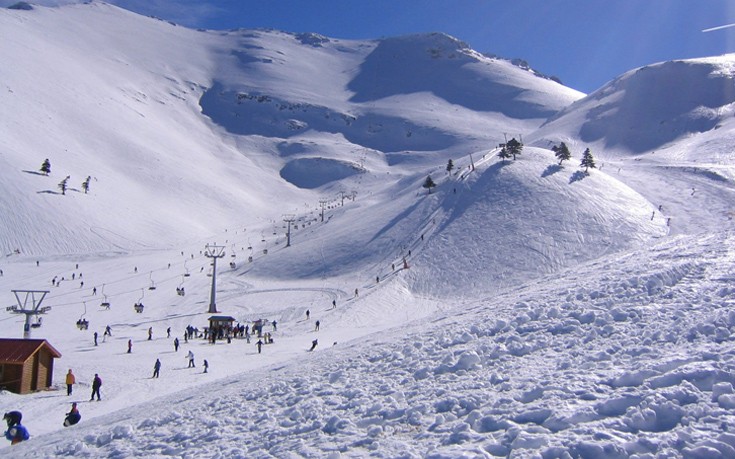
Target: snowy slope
[
  {"x": 651, "y": 107},
  {"x": 520, "y": 309}
]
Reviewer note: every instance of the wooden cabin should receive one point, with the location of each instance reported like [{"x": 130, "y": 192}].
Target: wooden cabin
[
  {"x": 221, "y": 322},
  {"x": 26, "y": 365}
]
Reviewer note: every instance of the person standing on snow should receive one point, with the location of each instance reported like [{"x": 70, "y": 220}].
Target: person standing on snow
[
  {"x": 70, "y": 381},
  {"x": 206, "y": 365},
  {"x": 190, "y": 356},
  {"x": 259, "y": 344},
  {"x": 316, "y": 327},
  {"x": 96, "y": 384},
  {"x": 150, "y": 333},
  {"x": 156, "y": 368},
  {"x": 130, "y": 346},
  {"x": 176, "y": 345}
]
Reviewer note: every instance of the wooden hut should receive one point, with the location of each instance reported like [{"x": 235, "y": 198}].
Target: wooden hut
[
  {"x": 26, "y": 365},
  {"x": 221, "y": 322}
]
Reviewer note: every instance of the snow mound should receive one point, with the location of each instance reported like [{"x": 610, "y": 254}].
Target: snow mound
[{"x": 532, "y": 217}]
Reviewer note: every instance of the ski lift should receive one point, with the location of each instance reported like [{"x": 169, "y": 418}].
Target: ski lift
[
  {"x": 153, "y": 284},
  {"x": 265, "y": 251},
  {"x": 138, "y": 306},
  {"x": 36, "y": 322},
  {"x": 250, "y": 259},
  {"x": 105, "y": 304},
  {"x": 180, "y": 289},
  {"x": 233, "y": 265},
  {"x": 82, "y": 323}
]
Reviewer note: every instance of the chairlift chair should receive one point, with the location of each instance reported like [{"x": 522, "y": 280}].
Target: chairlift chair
[
  {"x": 153, "y": 284},
  {"x": 138, "y": 306},
  {"x": 82, "y": 323}
]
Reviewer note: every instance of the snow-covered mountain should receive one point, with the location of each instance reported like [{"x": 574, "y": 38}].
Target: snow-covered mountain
[
  {"x": 656, "y": 107},
  {"x": 520, "y": 308}
]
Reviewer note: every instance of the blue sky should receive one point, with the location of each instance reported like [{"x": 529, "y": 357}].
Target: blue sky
[{"x": 585, "y": 43}]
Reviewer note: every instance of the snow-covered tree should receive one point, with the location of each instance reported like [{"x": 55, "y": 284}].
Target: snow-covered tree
[
  {"x": 63, "y": 184},
  {"x": 504, "y": 154},
  {"x": 85, "y": 184},
  {"x": 450, "y": 165},
  {"x": 587, "y": 160},
  {"x": 562, "y": 152},
  {"x": 46, "y": 166},
  {"x": 429, "y": 183},
  {"x": 514, "y": 147}
]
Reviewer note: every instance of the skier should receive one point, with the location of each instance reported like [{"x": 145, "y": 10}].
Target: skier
[
  {"x": 206, "y": 365},
  {"x": 130, "y": 346},
  {"x": 190, "y": 356},
  {"x": 16, "y": 433},
  {"x": 70, "y": 381},
  {"x": 176, "y": 345},
  {"x": 168, "y": 332},
  {"x": 316, "y": 328},
  {"x": 150, "y": 333},
  {"x": 334, "y": 304},
  {"x": 308, "y": 313},
  {"x": 274, "y": 323},
  {"x": 313, "y": 345},
  {"x": 73, "y": 416},
  {"x": 108, "y": 331},
  {"x": 96, "y": 384},
  {"x": 260, "y": 345},
  {"x": 95, "y": 338},
  {"x": 156, "y": 368}
]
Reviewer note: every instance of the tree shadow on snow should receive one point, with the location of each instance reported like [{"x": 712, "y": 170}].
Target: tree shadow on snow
[
  {"x": 48, "y": 192},
  {"x": 35, "y": 173},
  {"x": 551, "y": 170},
  {"x": 577, "y": 176}
]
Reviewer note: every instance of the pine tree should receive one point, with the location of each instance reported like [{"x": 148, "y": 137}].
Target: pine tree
[
  {"x": 46, "y": 167},
  {"x": 587, "y": 160},
  {"x": 85, "y": 184},
  {"x": 62, "y": 185},
  {"x": 450, "y": 165},
  {"x": 562, "y": 152},
  {"x": 514, "y": 147},
  {"x": 429, "y": 183},
  {"x": 504, "y": 154}
]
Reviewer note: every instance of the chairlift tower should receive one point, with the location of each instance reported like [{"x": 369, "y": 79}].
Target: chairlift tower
[
  {"x": 342, "y": 195},
  {"x": 323, "y": 203},
  {"x": 214, "y": 252},
  {"x": 34, "y": 309},
  {"x": 289, "y": 218}
]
